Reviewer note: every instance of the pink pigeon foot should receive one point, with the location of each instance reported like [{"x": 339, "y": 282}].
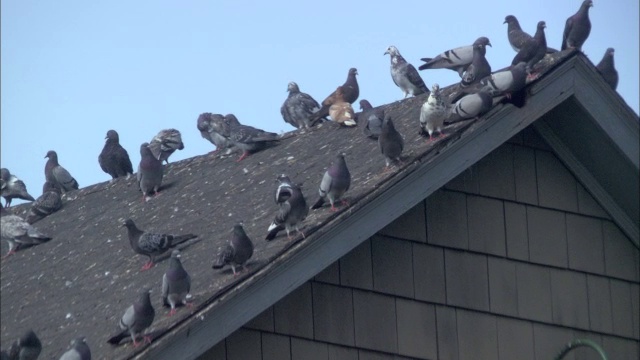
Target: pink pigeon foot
[{"x": 147, "y": 266}]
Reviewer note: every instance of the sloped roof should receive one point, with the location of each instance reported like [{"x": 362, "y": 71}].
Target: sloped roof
[{"x": 81, "y": 281}]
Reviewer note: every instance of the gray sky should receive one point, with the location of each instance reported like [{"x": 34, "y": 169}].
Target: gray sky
[{"x": 71, "y": 70}]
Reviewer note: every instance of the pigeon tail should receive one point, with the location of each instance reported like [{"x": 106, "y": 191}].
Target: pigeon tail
[
  {"x": 318, "y": 203},
  {"x": 273, "y": 231},
  {"x": 115, "y": 340},
  {"x": 182, "y": 238}
]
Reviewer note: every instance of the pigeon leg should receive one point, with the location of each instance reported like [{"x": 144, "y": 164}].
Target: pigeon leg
[
  {"x": 172, "y": 312},
  {"x": 11, "y": 252},
  {"x": 147, "y": 266},
  {"x": 244, "y": 155}
]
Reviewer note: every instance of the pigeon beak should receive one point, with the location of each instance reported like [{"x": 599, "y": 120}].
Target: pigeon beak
[
  {"x": 386, "y": 53},
  {"x": 489, "y": 44},
  {"x": 505, "y": 22}
]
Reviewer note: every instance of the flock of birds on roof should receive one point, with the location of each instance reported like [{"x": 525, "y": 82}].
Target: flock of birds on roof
[{"x": 477, "y": 88}]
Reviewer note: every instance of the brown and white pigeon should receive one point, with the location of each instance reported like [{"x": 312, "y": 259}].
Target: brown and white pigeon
[
  {"x": 390, "y": 142},
  {"x": 28, "y": 347},
  {"x": 12, "y": 187},
  {"x": 533, "y": 50},
  {"x": 151, "y": 244},
  {"x": 335, "y": 182},
  {"x": 18, "y": 233},
  {"x": 176, "y": 283},
  {"x": 57, "y": 175},
  {"x": 215, "y": 129},
  {"x": 372, "y": 117},
  {"x": 479, "y": 67},
  {"x": 114, "y": 159},
  {"x": 298, "y": 109},
  {"x": 237, "y": 252},
  {"x": 150, "y": 172},
  {"x": 46, "y": 204},
  {"x": 457, "y": 59},
  {"x": 470, "y": 106},
  {"x": 136, "y": 319},
  {"x": 79, "y": 350},
  {"x": 432, "y": 113},
  {"x": 577, "y": 27},
  {"x": 249, "y": 139},
  {"x": 293, "y": 209},
  {"x": 351, "y": 92},
  {"x": 404, "y": 75},
  {"x": 341, "y": 111},
  {"x": 607, "y": 69},
  {"x": 165, "y": 143}
]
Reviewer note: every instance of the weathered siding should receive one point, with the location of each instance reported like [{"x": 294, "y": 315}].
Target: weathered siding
[{"x": 510, "y": 260}]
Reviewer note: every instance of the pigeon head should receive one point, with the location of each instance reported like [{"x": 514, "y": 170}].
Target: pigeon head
[
  {"x": 112, "y": 135},
  {"x": 52, "y": 155},
  {"x": 435, "y": 89},
  {"x": 511, "y": 20},
  {"x": 392, "y": 50},
  {"x": 283, "y": 179},
  {"x": 610, "y": 51},
  {"x": 484, "y": 41},
  {"x": 231, "y": 119},
  {"x": 49, "y": 186},
  {"x": 129, "y": 224},
  {"x": 541, "y": 25},
  {"x": 586, "y": 4},
  {"x": 353, "y": 71},
  {"x": 365, "y": 105},
  {"x": 144, "y": 148},
  {"x": 5, "y": 174},
  {"x": 293, "y": 87}
]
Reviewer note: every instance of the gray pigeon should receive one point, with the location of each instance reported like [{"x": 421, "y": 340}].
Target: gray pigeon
[
  {"x": 28, "y": 347},
  {"x": 114, "y": 159},
  {"x": 533, "y": 50},
  {"x": 12, "y": 187},
  {"x": 56, "y": 174},
  {"x": 215, "y": 129},
  {"x": 433, "y": 113},
  {"x": 457, "y": 59},
  {"x": 135, "y": 320},
  {"x": 335, "y": 182},
  {"x": 150, "y": 172},
  {"x": 293, "y": 209},
  {"x": 503, "y": 82},
  {"x": 470, "y": 106},
  {"x": 372, "y": 117},
  {"x": 18, "y": 232},
  {"x": 150, "y": 244},
  {"x": 607, "y": 69},
  {"x": 391, "y": 142},
  {"x": 577, "y": 27},
  {"x": 517, "y": 37},
  {"x": 165, "y": 143},
  {"x": 404, "y": 75},
  {"x": 79, "y": 350},
  {"x": 350, "y": 90},
  {"x": 298, "y": 108},
  {"x": 46, "y": 204},
  {"x": 249, "y": 139},
  {"x": 176, "y": 283},
  {"x": 238, "y": 251},
  {"x": 479, "y": 67}
]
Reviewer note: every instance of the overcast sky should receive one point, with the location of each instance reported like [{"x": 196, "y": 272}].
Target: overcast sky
[{"x": 71, "y": 70}]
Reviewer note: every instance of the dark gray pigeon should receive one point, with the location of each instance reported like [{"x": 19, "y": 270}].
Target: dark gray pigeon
[
  {"x": 150, "y": 244},
  {"x": 238, "y": 251},
  {"x": 479, "y": 67},
  {"x": 432, "y": 113},
  {"x": 215, "y": 129},
  {"x": 176, "y": 283},
  {"x": 577, "y": 27},
  {"x": 504, "y": 82},
  {"x": 12, "y": 187},
  {"x": 607, "y": 69},
  {"x": 249, "y": 139},
  {"x": 470, "y": 106},
  {"x": 28, "y": 347},
  {"x": 57, "y": 175},
  {"x": 165, "y": 143},
  {"x": 79, "y": 350},
  {"x": 372, "y": 117},
  {"x": 390, "y": 142},
  {"x": 533, "y": 50},
  {"x": 46, "y": 204},
  {"x": 350, "y": 93},
  {"x": 135, "y": 320},
  {"x": 298, "y": 108},
  {"x": 114, "y": 159},
  {"x": 335, "y": 182},
  {"x": 18, "y": 232},
  {"x": 404, "y": 75},
  {"x": 150, "y": 172},
  {"x": 517, "y": 37},
  {"x": 293, "y": 209},
  {"x": 457, "y": 59}
]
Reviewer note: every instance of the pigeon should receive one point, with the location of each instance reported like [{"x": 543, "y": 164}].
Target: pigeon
[
  {"x": 12, "y": 187},
  {"x": 607, "y": 69},
  {"x": 433, "y": 113},
  {"x": 249, "y": 139},
  {"x": 28, "y": 347},
  {"x": 18, "y": 232},
  {"x": 404, "y": 75},
  {"x": 342, "y": 111},
  {"x": 351, "y": 92},
  {"x": 457, "y": 59},
  {"x": 479, "y": 67},
  {"x": 470, "y": 106},
  {"x": 239, "y": 250},
  {"x": 215, "y": 129},
  {"x": 165, "y": 143},
  {"x": 372, "y": 117},
  {"x": 577, "y": 27},
  {"x": 46, "y": 204},
  {"x": 150, "y": 172},
  {"x": 335, "y": 182},
  {"x": 298, "y": 108},
  {"x": 176, "y": 283},
  {"x": 504, "y": 82},
  {"x": 293, "y": 209},
  {"x": 79, "y": 350},
  {"x": 533, "y": 50},
  {"x": 517, "y": 37},
  {"x": 150, "y": 244},
  {"x": 58, "y": 175},
  {"x": 390, "y": 142},
  {"x": 114, "y": 159},
  {"x": 135, "y": 320}
]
